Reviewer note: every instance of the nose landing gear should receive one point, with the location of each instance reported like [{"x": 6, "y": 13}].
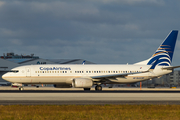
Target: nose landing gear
[{"x": 21, "y": 88}]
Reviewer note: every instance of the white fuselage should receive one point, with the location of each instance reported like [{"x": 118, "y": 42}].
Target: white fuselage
[{"x": 64, "y": 74}]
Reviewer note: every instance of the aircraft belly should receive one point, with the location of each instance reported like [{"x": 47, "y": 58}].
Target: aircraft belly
[
  {"x": 131, "y": 79},
  {"x": 19, "y": 80},
  {"x": 41, "y": 80},
  {"x": 50, "y": 80}
]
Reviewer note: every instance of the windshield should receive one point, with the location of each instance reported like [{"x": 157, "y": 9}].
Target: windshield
[{"x": 14, "y": 71}]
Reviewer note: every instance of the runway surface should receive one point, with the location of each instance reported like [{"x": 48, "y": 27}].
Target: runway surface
[{"x": 33, "y": 96}]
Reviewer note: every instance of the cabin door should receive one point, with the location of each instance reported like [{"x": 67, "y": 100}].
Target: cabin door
[{"x": 28, "y": 72}]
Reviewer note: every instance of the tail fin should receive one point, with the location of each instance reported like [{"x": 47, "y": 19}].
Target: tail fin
[{"x": 164, "y": 53}]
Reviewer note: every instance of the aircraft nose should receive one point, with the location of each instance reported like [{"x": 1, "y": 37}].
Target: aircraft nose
[{"x": 5, "y": 76}]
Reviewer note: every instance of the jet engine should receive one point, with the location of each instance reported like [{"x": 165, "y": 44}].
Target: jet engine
[
  {"x": 16, "y": 85},
  {"x": 62, "y": 85},
  {"x": 82, "y": 83}
]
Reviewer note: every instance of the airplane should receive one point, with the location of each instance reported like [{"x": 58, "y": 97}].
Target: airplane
[{"x": 86, "y": 75}]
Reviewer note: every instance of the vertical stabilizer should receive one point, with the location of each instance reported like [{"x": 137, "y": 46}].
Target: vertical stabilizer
[{"x": 165, "y": 52}]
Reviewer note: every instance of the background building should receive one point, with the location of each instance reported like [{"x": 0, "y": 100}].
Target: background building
[
  {"x": 11, "y": 60},
  {"x": 172, "y": 79}
]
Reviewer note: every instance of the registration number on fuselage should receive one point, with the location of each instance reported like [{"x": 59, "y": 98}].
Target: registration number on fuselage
[{"x": 138, "y": 77}]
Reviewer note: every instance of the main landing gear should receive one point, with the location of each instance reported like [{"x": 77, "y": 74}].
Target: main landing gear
[{"x": 98, "y": 88}]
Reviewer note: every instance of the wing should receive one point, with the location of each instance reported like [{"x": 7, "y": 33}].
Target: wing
[{"x": 113, "y": 76}]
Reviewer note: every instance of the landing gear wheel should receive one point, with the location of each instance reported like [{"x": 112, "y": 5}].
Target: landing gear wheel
[
  {"x": 21, "y": 88},
  {"x": 98, "y": 88},
  {"x": 87, "y": 89}
]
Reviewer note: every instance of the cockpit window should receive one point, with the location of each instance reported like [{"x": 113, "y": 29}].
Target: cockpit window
[{"x": 14, "y": 71}]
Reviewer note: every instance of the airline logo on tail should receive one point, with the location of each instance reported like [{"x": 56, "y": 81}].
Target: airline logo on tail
[{"x": 164, "y": 54}]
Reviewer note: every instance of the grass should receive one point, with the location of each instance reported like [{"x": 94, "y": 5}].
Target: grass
[{"x": 89, "y": 112}]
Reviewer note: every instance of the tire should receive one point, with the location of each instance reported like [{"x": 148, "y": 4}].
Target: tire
[
  {"x": 21, "y": 88},
  {"x": 98, "y": 88}
]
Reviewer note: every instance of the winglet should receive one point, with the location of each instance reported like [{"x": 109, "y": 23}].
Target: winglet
[
  {"x": 83, "y": 62},
  {"x": 153, "y": 65}
]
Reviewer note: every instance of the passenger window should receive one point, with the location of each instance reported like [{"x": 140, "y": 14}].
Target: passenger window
[
  {"x": 89, "y": 71},
  {"x": 70, "y": 71}
]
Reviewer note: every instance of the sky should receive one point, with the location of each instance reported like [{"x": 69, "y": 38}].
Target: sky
[{"x": 100, "y": 31}]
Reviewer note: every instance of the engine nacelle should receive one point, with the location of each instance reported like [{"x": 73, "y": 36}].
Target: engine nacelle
[
  {"x": 62, "y": 85},
  {"x": 16, "y": 85},
  {"x": 82, "y": 83}
]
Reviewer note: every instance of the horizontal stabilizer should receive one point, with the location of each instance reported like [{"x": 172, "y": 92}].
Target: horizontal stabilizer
[{"x": 171, "y": 67}]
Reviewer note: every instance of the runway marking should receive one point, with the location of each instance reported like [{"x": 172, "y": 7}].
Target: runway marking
[{"x": 91, "y": 96}]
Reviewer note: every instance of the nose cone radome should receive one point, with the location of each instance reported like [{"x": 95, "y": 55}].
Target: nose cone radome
[{"x": 5, "y": 76}]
